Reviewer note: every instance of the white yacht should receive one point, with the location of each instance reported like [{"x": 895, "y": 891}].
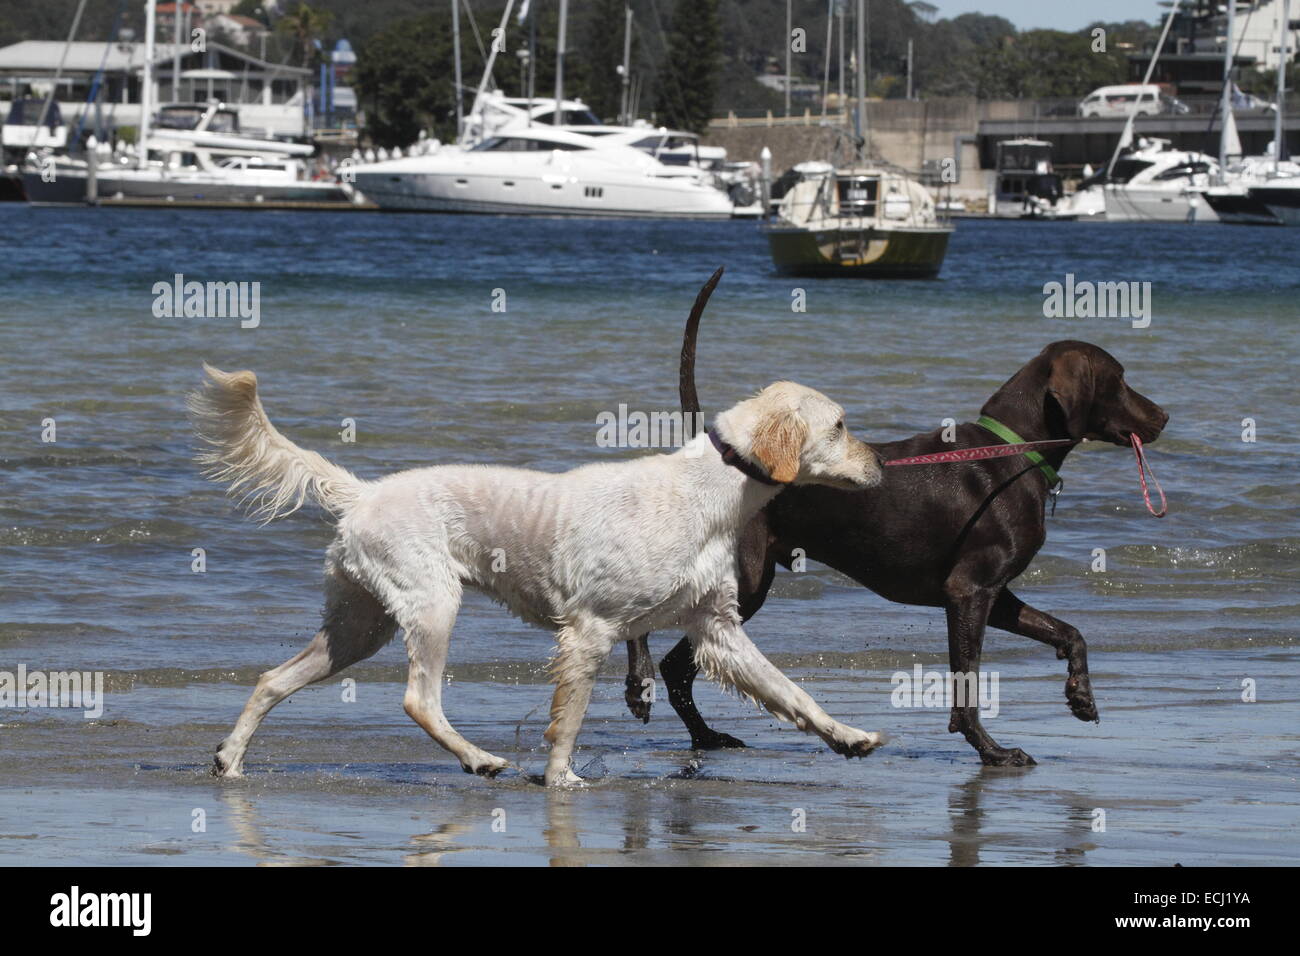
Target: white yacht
[
  {"x": 1258, "y": 191},
  {"x": 1280, "y": 195},
  {"x": 1152, "y": 182},
  {"x": 495, "y": 114},
  {"x": 547, "y": 171},
  {"x": 192, "y": 156}
]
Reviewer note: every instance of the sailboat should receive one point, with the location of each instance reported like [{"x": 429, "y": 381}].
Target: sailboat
[
  {"x": 1148, "y": 180},
  {"x": 191, "y": 156},
  {"x": 1257, "y": 190},
  {"x": 860, "y": 220}
]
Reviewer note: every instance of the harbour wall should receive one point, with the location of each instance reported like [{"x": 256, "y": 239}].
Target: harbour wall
[{"x": 920, "y": 135}]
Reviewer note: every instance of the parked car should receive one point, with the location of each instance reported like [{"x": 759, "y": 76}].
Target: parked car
[{"x": 1118, "y": 101}]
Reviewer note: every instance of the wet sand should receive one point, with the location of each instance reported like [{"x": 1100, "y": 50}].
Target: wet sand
[{"x": 1177, "y": 765}]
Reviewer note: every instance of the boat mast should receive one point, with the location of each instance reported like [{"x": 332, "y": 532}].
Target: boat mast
[
  {"x": 176, "y": 53},
  {"x": 860, "y": 112},
  {"x": 146, "y": 87},
  {"x": 788, "y": 48},
  {"x": 1279, "y": 144},
  {"x": 1126, "y": 137},
  {"x": 623, "y": 118},
  {"x": 826, "y": 69},
  {"x": 492, "y": 57},
  {"x": 559, "y": 62},
  {"x": 455, "y": 45},
  {"x": 839, "y": 12},
  {"x": 1225, "y": 107}
]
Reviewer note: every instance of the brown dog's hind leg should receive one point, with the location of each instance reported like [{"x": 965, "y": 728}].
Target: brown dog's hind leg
[
  {"x": 967, "y": 610},
  {"x": 1016, "y": 617},
  {"x": 679, "y": 669},
  {"x": 638, "y": 686}
]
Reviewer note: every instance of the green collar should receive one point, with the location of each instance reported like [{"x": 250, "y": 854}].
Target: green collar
[{"x": 1011, "y": 438}]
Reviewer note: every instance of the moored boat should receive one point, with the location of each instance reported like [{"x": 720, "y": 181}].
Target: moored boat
[
  {"x": 860, "y": 219},
  {"x": 858, "y": 222}
]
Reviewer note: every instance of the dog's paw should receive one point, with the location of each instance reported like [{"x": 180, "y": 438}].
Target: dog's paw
[
  {"x": 485, "y": 765},
  {"x": 715, "y": 740},
  {"x": 564, "y": 779},
  {"x": 634, "y": 694},
  {"x": 1078, "y": 694},
  {"x": 1002, "y": 757},
  {"x": 223, "y": 766},
  {"x": 859, "y": 745}
]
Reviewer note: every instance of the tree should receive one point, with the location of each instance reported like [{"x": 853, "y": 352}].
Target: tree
[
  {"x": 603, "y": 51},
  {"x": 305, "y": 26},
  {"x": 253, "y": 8},
  {"x": 688, "y": 75},
  {"x": 402, "y": 79}
]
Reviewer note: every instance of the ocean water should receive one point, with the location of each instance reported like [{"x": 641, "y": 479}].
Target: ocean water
[{"x": 389, "y": 321}]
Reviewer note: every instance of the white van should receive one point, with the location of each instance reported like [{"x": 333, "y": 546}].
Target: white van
[{"x": 1119, "y": 100}]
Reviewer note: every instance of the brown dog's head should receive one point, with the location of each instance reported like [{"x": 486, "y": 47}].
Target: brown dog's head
[{"x": 1078, "y": 390}]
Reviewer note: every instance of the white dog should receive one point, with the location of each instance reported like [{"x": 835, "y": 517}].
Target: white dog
[{"x": 599, "y": 554}]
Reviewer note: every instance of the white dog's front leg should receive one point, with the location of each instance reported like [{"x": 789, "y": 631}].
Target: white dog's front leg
[
  {"x": 581, "y": 649},
  {"x": 725, "y": 654}
]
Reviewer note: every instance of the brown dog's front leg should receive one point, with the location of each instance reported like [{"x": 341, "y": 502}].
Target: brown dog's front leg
[
  {"x": 640, "y": 682},
  {"x": 968, "y": 613},
  {"x": 1016, "y": 617},
  {"x": 679, "y": 670}
]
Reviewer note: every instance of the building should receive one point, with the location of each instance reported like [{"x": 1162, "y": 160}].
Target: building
[
  {"x": 212, "y": 8},
  {"x": 271, "y": 97},
  {"x": 240, "y": 30},
  {"x": 1192, "y": 61}
]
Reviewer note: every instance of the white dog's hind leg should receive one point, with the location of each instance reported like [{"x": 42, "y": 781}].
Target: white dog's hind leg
[
  {"x": 356, "y": 625},
  {"x": 581, "y": 649},
  {"x": 428, "y": 636},
  {"x": 726, "y": 654}
]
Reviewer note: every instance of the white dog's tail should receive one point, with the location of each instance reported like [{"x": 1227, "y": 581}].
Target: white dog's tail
[{"x": 272, "y": 474}]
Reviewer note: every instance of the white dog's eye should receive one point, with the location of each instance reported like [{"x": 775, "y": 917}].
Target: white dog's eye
[{"x": 839, "y": 426}]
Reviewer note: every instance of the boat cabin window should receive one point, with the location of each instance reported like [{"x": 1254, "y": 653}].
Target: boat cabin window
[
  {"x": 27, "y": 112},
  {"x": 520, "y": 144},
  {"x": 1024, "y": 156},
  {"x": 857, "y": 195},
  {"x": 1182, "y": 170},
  {"x": 188, "y": 117},
  {"x": 570, "y": 118},
  {"x": 1126, "y": 169}
]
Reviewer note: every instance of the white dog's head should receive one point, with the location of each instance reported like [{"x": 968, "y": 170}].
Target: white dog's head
[{"x": 797, "y": 436}]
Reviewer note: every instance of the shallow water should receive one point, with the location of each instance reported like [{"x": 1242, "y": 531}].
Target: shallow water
[{"x": 388, "y": 320}]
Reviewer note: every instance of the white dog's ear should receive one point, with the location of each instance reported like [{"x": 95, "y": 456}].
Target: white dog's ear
[{"x": 777, "y": 444}]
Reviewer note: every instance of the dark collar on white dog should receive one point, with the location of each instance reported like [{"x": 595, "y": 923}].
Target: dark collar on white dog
[{"x": 737, "y": 461}]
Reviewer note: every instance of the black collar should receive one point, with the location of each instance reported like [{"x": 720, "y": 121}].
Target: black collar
[{"x": 743, "y": 465}]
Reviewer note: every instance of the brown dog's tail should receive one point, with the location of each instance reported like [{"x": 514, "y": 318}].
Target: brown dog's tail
[
  {"x": 686, "y": 376},
  {"x": 245, "y": 451}
]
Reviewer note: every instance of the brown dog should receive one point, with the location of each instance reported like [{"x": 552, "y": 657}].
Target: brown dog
[{"x": 949, "y": 536}]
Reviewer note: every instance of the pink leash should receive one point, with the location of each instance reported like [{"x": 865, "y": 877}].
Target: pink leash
[
  {"x": 1144, "y": 469},
  {"x": 1003, "y": 451},
  {"x": 977, "y": 454}
]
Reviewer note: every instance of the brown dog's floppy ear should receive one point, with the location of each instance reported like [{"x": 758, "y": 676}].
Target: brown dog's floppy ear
[
  {"x": 1069, "y": 389},
  {"x": 778, "y": 443}
]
